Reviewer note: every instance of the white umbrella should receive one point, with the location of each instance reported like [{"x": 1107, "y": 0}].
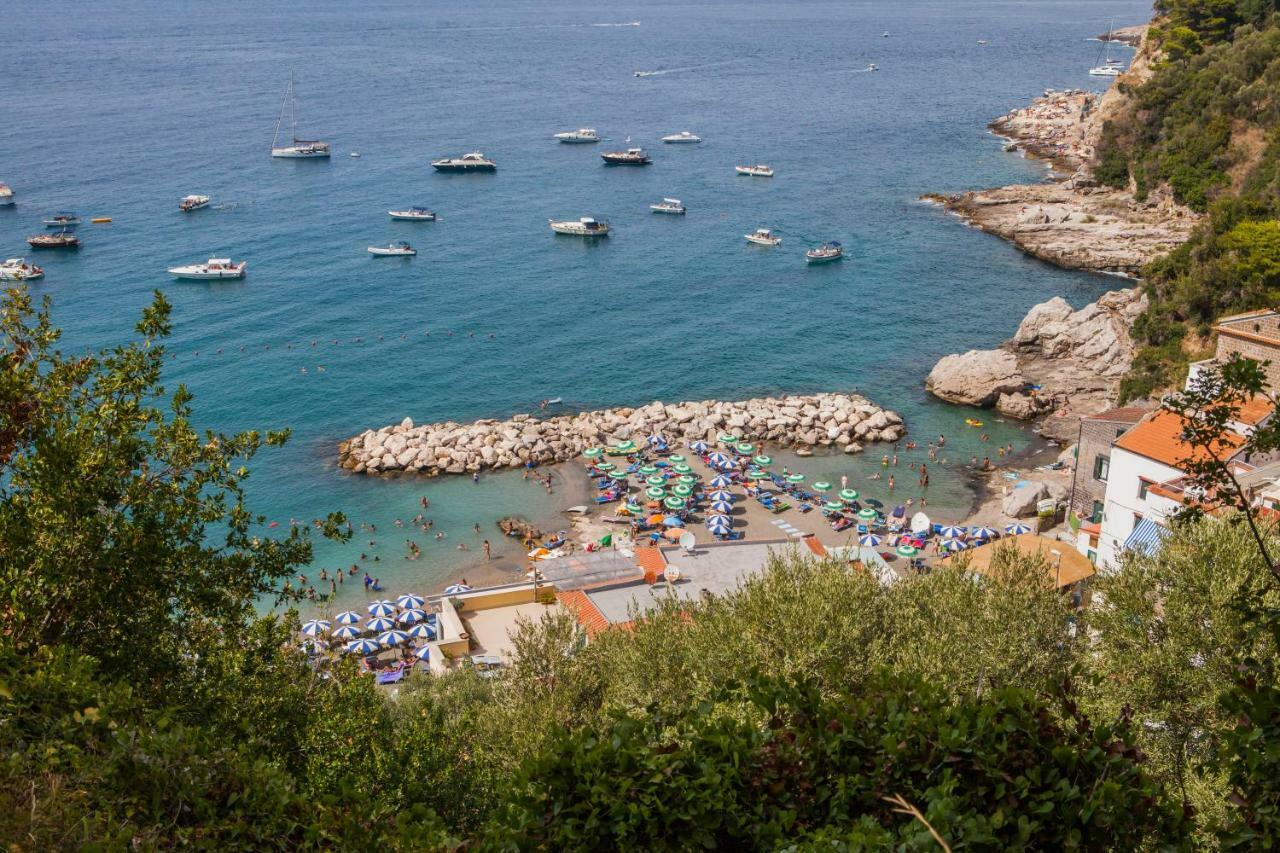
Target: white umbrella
[
  {"x": 721, "y": 495},
  {"x": 870, "y": 540},
  {"x": 722, "y": 506},
  {"x": 1017, "y": 529},
  {"x": 721, "y": 481},
  {"x": 316, "y": 627}
]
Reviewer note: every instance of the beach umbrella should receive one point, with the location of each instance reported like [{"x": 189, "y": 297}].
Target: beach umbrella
[
  {"x": 953, "y": 545},
  {"x": 673, "y": 502},
  {"x": 655, "y": 518},
  {"x": 728, "y": 464},
  {"x": 393, "y": 638},
  {"x": 348, "y": 617},
  {"x": 687, "y": 479},
  {"x": 648, "y": 470},
  {"x": 982, "y": 532},
  {"x": 833, "y": 506},
  {"x": 745, "y": 447},
  {"x": 316, "y": 627},
  {"x": 422, "y": 653},
  {"x": 727, "y": 438},
  {"x": 870, "y": 540},
  {"x": 718, "y": 526},
  {"x": 626, "y": 446},
  {"x": 381, "y": 608},
  {"x": 867, "y": 514},
  {"x": 717, "y": 459},
  {"x": 821, "y": 486},
  {"x": 456, "y": 589},
  {"x": 721, "y": 481},
  {"x": 656, "y": 493},
  {"x": 907, "y": 551},
  {"x": 1016, "y": 529},
  {"x": 721, "y": 495},
  {"x": 347, "y": 632},
  {"x": 592, "y": 452},
  {"x": 411, "y": 601},
  {"x": 656, "y": 480},
  {"x": 763, "y": 460},
  {"x": 795, "y": 478},
  {"x": 380, "y": 623},
  {"x": 950, "y": 531},
  {"x": 672, "y": 521},
  {"x": 760, "y": 475},
  {"x": 682, "y": 468},
  {"x": 849, "y": 495},
  {"x": 675, "y": 457},
  {"x": 422, "y": 632},
  {"x": 680, "y": 490},
  {"x": 726, "y": 519},
  {"x": 655, "y": 439},
  {"x": 721, "y": 506},
  {"x": 620, "y": 475},
  {"x": 698, "y": 447},
  {"x": 363, "y": 647},
  {"x": 605, "y": 466},
  {"x": 634, "y": 510},
  {"x": 411, "y": 617}
]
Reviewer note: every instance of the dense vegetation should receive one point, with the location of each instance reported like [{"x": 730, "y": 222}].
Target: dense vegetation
[
  {"x": 144, "y": 703},
  {"x": 1206, "y": 126}
]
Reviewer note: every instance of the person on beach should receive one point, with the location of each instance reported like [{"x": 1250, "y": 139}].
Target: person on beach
[
  {"x": 488, "y": 554},
  {"x": 942, "y": 441},
  {"x": 891, "y": 482},
  {"x": 844, "y": 481},
  {"x": 368, "y": 581},
  {"x": 895, "y": 460},
  {"x": 884, "y": 463},
  {"x": 342, "y": 578},
  {"x": 986, "y": 463}
]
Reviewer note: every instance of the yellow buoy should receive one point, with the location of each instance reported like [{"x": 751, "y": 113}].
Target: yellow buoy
[{"x": 97, "y": 220}]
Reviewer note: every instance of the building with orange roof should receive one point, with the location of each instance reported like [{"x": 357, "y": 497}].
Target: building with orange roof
[{"x": 1253, "y": 334}]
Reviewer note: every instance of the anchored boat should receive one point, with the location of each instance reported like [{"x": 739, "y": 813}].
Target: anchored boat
[
  {"x": 630, "y": 157},
  {"x": 473, "y": 162},
  {"x": 759, "y": 170},
  {"x": 62, "y": 219},
  {"x": 211, "y": 269},
  {"x": 763, "y": 237},
  {"x": 193, "y": 202},
  {"x": 579, "y": 136},
  {"x": 300, "y": 149},
  {"x": 6, "y": 195},
  {"x": 669, "y": 205},
  {"x": 17, "y": 269},
  {"x": 825, "y": 253},
  {"x": 586, "y": 226},
  {"x": 60, "y": 240},
  {"x": 413, "y": 214},
  {"x": 399, "y": 249},
  {"x": 682, "y": 136}
]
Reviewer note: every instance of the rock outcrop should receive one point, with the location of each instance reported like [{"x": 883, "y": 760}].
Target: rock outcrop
[
  {"x": 975, "y": 378},
  {"x": 1021, "y": 502},
  {"x": 841, "y": 421}
]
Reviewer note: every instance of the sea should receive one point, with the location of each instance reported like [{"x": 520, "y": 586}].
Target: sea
[{"x": 119, "y": 109}]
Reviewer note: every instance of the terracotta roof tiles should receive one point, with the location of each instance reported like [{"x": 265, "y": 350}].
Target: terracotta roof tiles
[{"x": 1159, "y": 438}]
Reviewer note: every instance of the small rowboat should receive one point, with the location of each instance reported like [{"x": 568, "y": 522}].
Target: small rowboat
[{"x": 398, "y": 249}]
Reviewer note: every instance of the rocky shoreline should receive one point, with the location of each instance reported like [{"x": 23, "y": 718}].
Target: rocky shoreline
[{"x": 803, "y": 422}]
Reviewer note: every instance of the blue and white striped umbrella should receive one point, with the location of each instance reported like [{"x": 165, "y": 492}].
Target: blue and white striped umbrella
[
  {"x": 721, "y": 507},
  {"x": 410, "y": 601},
  {"x": 982, "y": 532},
  {"x": 456, "y": 589},
  {"x": 381, "y": 608},
  {"x": 316, "y": 627},
  {"x": 719, "y": 526},
  {"x": 422, "y": 631},
  {"x": 382, "y": 623},
  {"x": 348, "y": 617},
  {"x": 411, "y": 617},
  {"x": 1016, "y": 529},
  {"x": 698, "y": 447},
  {"x": 721, "y": 495},
  {"x": 950, "y": 531},
  {"x": 347, "y": 632},
  {"x": 719, "y": 519},
  {"x": 655, "y": 439},
  {"x": 729, "y": 465},
  {"x": 721, "y": 481},
  {"x": 393, "y": 638},
  {"x": 363, "y": 647},
  {"x": 953, "y": 545},
  {"x": 869, "y": 541},
  {"x": 717, "y": 460},
  {"x": 422, "y": 653}
]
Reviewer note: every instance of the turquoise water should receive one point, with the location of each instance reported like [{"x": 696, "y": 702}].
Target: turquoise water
[{"x": 121, "y": 109}]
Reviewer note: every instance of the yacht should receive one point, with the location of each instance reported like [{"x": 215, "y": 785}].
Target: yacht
[
  {"x": 62, "y": 219},
  {"x": 825, "y": 253},
  {"x": 399, "y": 249},
  {"x": 682, "y": 136},
  {"x": 582, "y": 134},
  {"x": 17, "y": 269},
  {"x": 873, "y": 67},
  {"x": 413, "y": 214},
  {"x": 212, "y": 268},
  {"x": 60, "y": 240},
  {"x": 669, "y": 205},
  {"x": 298, "y": 149},
  {"x": 193, "y": 202},
  {"x": 630, "y": 157},
  {"x": 6, "y": 195},
  {"x": 763, "y": 237},
  {"x": 757, "y": 171},
  {"x": 584, "y": 227},
  {"x": 1109, "y": 67},
  {"x": 473, "y": 162}
]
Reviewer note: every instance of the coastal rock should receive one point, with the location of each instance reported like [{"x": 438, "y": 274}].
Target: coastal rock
[
  {"x": 975, "y": 378},
  {"x": 1021, "y": 502},
  {"x": 1020, "y": 406}
]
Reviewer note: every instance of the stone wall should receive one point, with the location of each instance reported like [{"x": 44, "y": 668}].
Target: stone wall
[{"x": 1260, "y": 351}]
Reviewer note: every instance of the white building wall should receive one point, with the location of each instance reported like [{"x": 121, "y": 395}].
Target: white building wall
[{"x": 1123, "y": 503}]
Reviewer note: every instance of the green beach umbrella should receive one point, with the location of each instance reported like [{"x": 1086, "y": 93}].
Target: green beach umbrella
[
  {"x": 627, "y": 446},
  {"x": 606, "y": 466},
  {"x": 681, "y": 490},
  {"x": 675, "y": 457},
  {"x": 726, "y": 438},
  {"x": 848, "y": 494},
  {"x": 674, "y": 503},
  {"x": 655, "y": 493},
  {"x": 867, "y": 513},
  {"x": 763, "y": 460},
  {"x": 688, "y": 479},
  {"x": 821, "y": 486},
  {"x": 746, "y": 447},
  {"x": 833, "y": 506},
  {"x": 592, "y": 452},
  {"x": 682, "y": 469},
  {"x": 907, "y": 551},
  {"x": 619, "y": 475},
  {"x": 635, "y": 510},
  {"x": 648, "y": 469},
  {"x": 759, "y": 475},
  {"x": 795, "y": 478},
  {"x": 656, "y": 480}
]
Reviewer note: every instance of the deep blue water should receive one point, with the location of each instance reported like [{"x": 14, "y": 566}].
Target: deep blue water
[{"x": 119, "y": 109}]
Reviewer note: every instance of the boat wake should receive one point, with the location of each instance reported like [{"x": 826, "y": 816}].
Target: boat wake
[
  {"x": 536, "y": 27},
  {"x": 627, "y": 24},
  {"x": 661, "y": 71}
]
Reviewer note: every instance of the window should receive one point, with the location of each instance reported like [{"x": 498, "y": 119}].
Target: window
[
  {"x": 1101, "y": 467},
  {"x": 1143, "y": 485},
  {"x": 1096, "y": 515},
  {"x": 1093, "y": 557},
  {"x": 1137, "y": 519}
]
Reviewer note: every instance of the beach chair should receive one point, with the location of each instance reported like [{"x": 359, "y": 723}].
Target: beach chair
[
  {"x": 779, "y": 506},
  {"x": 394, "y": 676}
]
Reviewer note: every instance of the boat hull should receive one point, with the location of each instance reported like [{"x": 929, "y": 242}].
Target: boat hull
[
  {"x": 59, "y": 245},
  {"x": 387, "y": 253},
  {"x": 672, "y": 211},
  {"x": 759, "y": 242},
  {"x": 576, "y": 230},
  {"x": 6, "y": 200},
  {"x": 205, "y": 276},
  {"x": 299, "y": 154},
  {"x": 825, "y": 259},
  {"x": 412, "y": 217},
  {"x": 577, "y": 141},
  {"x": 464, "y": 167},
  {"x": 17, "y": 274}
]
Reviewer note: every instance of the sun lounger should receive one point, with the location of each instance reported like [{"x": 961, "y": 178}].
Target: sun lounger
[
  {"x": 779, "y": 506},
  {"x": 394, "y": 676}
]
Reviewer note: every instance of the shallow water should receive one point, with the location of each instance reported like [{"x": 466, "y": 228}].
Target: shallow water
[{"x": 123, "y": 111}]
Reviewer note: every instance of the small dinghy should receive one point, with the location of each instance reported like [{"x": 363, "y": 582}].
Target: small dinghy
[{"x": 398, "y": 249}]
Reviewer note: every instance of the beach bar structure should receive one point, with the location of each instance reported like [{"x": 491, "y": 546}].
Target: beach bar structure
[{"x": 1066, "y": 566}]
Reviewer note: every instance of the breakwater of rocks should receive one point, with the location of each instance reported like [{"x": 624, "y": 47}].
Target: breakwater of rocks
[{"x": 842, "y": 421}]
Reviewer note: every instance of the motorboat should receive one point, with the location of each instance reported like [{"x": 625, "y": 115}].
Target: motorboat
[
  {"x": 586, "y": 226},
  {"x": 59, "y": 240},
  {"x": 17, "y": 269},
  {"x": 1106, "y": 71},
  {"x": 581, "y": 135},
  {"x": 757, "y": 171},
  {"x": 413, "y": 214},
  {"x": 763, "y": 237},
  {"x": 398, "y": 249},
  {"x": 355, "y": 155},
  {"x": 472, "y": 162},
  {"x": 873, "y": 67},
  {"x": 630, "y": 157},
  {"x": 211, "y": 269},
  {"x": 682, "y": 136},
  {"x": 6, "y": 195},
  {"x": 669, "y": 205},
  {"x": 193, "y": 202},
  {"x": 825, "y": 253},
  {"x": 298, "y": 149},
  {"x": 62, "y": 219}
]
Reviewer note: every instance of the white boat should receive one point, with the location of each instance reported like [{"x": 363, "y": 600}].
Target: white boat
[
  {"x": 62, "y": 219},
  {"x": 873, "y": 67},
  {"x": 825, "y": 253},
  {"x": 1105, "y": 71},
  {"x": 193, "y": 202},
  {"x": 413, "y": 214},
  {"x": 399, "y": 249},
  {"x": 763, "y": 237},
  {"x": 355, "y": 155},
  {"x": 1109, "y": 67},
  {"x": 682, "y": 136},
  {"x": 472, "y": 162},
  {"x": 212, "y": 268},
  {"x": 668, "y": 205},
  {"x": 759, "y": 170},
  {"x": 6, "y": 195},
  {"x": 581, "y": 135},
  {"x": 299, "y": 149},
  {"x": 586, "y": 226},
  {"x": 17, "y": 269}
]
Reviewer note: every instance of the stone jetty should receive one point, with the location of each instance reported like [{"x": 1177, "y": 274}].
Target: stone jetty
[{"x": 842, "y": 421}]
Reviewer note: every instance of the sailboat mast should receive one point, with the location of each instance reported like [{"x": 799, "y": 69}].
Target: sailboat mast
[
  {"x": 293, "y": 112},
  {"x": 275, "y": 139}
]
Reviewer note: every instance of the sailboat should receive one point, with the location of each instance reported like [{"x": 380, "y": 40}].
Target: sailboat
[
  {"x": 301, "y": 149},
  {"x": 1109, "y": 67}
]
